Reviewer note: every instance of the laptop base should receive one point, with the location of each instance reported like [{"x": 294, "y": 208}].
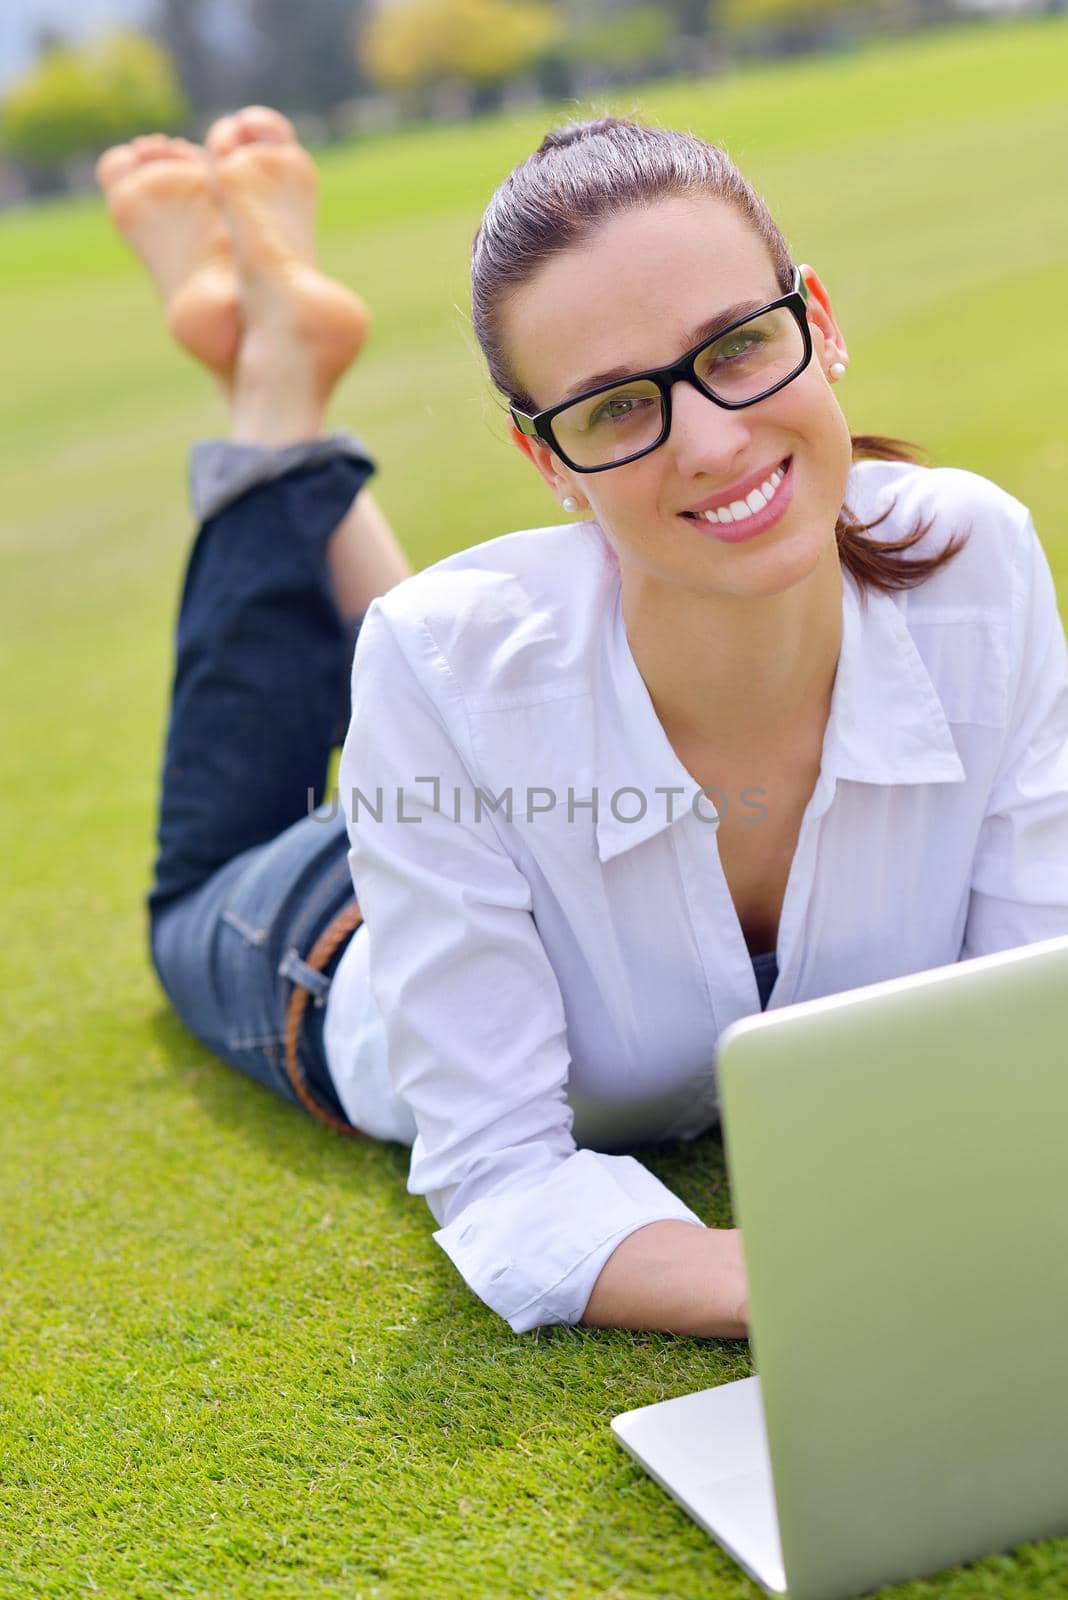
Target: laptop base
[{"x": 710, "y": 1452}]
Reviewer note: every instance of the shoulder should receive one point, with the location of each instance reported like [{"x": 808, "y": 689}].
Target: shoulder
[
  {"x": 951, "y": 502},
  {"x": 505, "y": 616},
  {"x": 968, "y": 619}
]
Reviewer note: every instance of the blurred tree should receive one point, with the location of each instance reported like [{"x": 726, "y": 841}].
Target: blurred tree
[
  {"x": 74, "y": 102},
  {"x": 49, "y": 36},
  {"x": 55, "y": 110},
  {"x": 182, "y": 28},
  {"x": 299, "y": 57},
  {"x": 690, "y": 17},
  {"x": 605, "y": 41},
  {"x": 635, "y": 40},
  {"x": 415, "y": 44},
  {"x": 141, "y": 85},
  {"x": 749, "y": 15},
  {"x": 782, "y": 27},
  {"x": 307, "y": 54}
]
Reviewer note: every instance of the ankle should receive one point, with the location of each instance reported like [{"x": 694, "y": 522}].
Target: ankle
[
  {"x": 277, "y": 397},
  {"x": 262, "y": 425}
]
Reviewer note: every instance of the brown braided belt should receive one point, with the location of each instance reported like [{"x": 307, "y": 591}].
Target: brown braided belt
[{"x": 345, "y": 923}]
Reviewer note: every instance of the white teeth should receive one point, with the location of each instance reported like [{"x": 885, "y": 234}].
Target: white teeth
[{"x": 755, "y": 500}]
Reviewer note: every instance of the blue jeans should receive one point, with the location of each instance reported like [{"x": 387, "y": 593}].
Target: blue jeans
[{"x": 245, "y": 878}]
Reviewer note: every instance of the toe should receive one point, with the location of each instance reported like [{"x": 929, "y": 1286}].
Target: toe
[
  {"x": 115, "y": 164},
  {"x": 279, "y": 172},
  {"x": 185, "y": 150},
  {"x": 161, "y": 147},
  {"x": 150, "y": 146},
  {"x": 251, "y": 125},
  {"x": 221, "y": 136},
  {"x": 263, "y": 125},
  {"x": 149, "y": 149}
]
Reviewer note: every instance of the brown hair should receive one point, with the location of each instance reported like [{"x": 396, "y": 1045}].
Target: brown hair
[{"x": 584, "y": 173}]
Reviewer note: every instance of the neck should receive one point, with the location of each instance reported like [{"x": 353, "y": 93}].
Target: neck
[{"x": 737, "y": 674}]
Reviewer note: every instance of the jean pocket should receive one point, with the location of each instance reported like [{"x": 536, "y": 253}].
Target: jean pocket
[{"x": 281, "y": 883}]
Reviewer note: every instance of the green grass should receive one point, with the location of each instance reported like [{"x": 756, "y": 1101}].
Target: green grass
[{"x": 234, "y": 1362}]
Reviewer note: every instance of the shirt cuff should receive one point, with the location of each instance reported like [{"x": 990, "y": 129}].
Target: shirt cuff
[
  {"x": 534, "y": 1255},
  {"x": 221, "y": 470}
]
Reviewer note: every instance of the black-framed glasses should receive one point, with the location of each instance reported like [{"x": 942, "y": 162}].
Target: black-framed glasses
[{"x": 618, "y": 422}]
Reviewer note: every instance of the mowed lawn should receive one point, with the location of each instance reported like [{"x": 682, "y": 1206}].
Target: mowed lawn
[{"x": 234, "y": 1363}]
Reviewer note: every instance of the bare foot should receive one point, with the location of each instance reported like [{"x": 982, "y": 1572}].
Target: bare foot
[
  {"x": 158, "y": 191},
  {"x": 301, "y": 330}
]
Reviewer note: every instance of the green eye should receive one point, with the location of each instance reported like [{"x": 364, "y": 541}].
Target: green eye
[
  {"x": 617, "y": 408},
  {"x": 737, "y": 344}
]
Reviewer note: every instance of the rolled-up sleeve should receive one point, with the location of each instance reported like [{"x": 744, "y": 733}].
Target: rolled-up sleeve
[
  {"x": 475, "y": 1029},
  {"x": 1019, "y": 891}
]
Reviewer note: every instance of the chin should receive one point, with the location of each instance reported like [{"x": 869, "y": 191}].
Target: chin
[{"x": 785, "y": 569}]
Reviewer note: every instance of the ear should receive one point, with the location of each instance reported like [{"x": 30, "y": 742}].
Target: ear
[
  {"x": 827, "y": 340},
  {"x": 548, "y": 465}
]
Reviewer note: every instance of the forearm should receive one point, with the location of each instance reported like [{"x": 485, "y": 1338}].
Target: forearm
[
  {"x": 674, "y": 1278},
  {"x": 364, "y": 557}
]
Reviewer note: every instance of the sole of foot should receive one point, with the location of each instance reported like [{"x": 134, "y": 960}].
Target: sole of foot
[
  {"x": 267, "y": 187},
  {"x": 159, "y": 192}
]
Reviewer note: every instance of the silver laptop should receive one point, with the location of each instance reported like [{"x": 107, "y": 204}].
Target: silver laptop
[{"x": 899, "y": 1167}]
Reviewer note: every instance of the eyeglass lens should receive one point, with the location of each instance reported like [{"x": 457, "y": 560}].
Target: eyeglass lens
[{"x": 738, "y": 366}]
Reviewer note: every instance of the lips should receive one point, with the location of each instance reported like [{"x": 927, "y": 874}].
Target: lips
[
  {"x": 742, "y": 520},
  {"x": 742, "y": 499}
]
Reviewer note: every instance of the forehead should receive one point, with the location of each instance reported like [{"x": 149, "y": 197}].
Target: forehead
[{"x": 631, "y": 295}]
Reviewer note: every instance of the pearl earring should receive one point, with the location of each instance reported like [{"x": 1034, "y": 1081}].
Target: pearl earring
[
  {"x": 569, "y": 503},
  {"x": 837, "y": 370}
]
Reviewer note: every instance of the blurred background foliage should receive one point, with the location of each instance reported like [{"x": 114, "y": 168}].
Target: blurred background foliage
[
  {"x": 473, "y": 42},
  {"x": 77, "y": 101},
  {"x": 344, "y": 66}
]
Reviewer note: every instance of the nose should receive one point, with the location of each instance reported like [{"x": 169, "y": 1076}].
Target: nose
[{"x": 704, "y": 437}]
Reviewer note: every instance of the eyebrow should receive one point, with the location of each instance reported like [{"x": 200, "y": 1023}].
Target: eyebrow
[{"x": 700, "y": 335}]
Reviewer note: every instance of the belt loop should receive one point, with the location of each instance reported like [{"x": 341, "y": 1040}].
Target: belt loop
[
  {"x": 294, "y": 968},
  {"x": 307, "y": 976}
]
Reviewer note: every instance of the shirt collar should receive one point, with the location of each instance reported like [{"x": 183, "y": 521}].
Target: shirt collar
[{"x": 887, "y": 725}]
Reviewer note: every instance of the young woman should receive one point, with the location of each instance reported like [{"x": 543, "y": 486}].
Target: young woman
[{"x": 768, "y": 722}]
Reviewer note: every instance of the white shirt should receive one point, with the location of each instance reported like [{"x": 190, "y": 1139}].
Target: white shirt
[{"x": 530, "y": 996}]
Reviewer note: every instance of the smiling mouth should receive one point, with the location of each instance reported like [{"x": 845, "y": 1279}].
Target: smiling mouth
[{"x": 743, "y": 509}]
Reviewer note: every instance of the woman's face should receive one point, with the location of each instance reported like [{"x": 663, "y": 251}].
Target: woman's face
[{"x": 634, "y": 296}]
